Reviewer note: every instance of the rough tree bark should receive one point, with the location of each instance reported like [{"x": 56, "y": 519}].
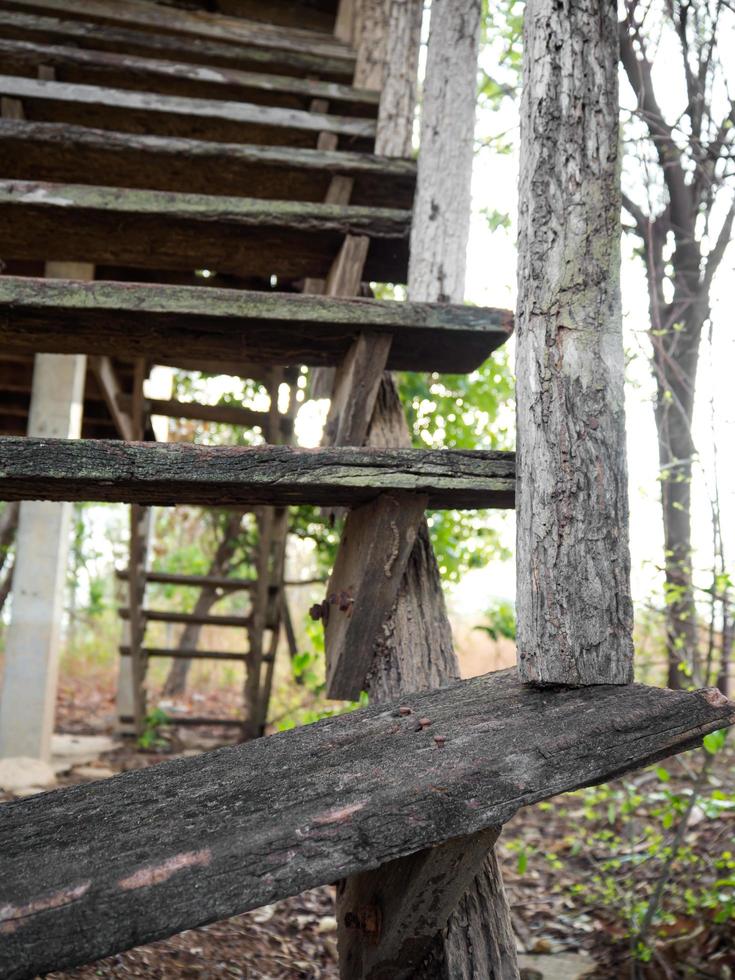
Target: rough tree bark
[{"x": 574, "y": 608}]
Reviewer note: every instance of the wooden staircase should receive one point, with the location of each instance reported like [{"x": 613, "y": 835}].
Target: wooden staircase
[{"x": 155, "y": 142}]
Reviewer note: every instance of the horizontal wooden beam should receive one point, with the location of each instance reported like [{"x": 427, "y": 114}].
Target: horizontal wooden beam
[
  {"x": 146, "y": 16},
  {"x": 187, "y": 653},
  {"x": 134, "y": 320},
  {"x": 177, "y": 473},
  {"x": 94, "y": 869},
  {"x": 159, "y": 229},
  {"x": 242, "y": 55},
  {"x": 172, "y": 616},
  {"x": 115, "y": 70},
  {"x": 203, "y": 581},
  {"x": 60, "y": 152},
  {"x": 174, "y": 115},
  {"x": 175, "y": 720}
]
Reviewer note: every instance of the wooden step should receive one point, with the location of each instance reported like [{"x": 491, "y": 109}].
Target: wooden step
[
  {"x": 337, "y": 64},
  {"x": 139, "y": 320},
  {"x": 187, "y": 654},
  {"x": 94, "y": 869},
  {"x": 178, "y": 473},
  {"x": 60, "y": 152},
  {"x": 199, "y": 581},
  {"x": 175, "y": 720},
  {"x": 127, "y": 111},
  {"x": 161, "y": 19},
  {"x": 190, "y": 619},
  {"x": 128, "y": 71},
  {"x": 161, "y": 230}
]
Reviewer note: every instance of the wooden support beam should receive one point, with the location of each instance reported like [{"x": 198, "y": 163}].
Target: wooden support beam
[
  {"x": 226, "y": 414},
  {"x": 376, "y": 542},
  {"x": 356, "y": 384},
  {"x": 115, "y": 70},
  {"x": 157, "y": 229},
  {"x": 172, "y": 616},
  {"x": 139, "y": 15},
  {"x": 176, "y": 720},
  {"x": 177, "y": 653},
  {"x": 60, "y": 152},
  {"x": 94, "y": 869},
  {"x": 575, "y": 615},
  {"x": 176, "y": 116},
  {"x": 112, "y": 391},
  {"x": 152, "y": 473},
  {"x": 244, "y": 56},
  {"x": 211, "y": 581}
]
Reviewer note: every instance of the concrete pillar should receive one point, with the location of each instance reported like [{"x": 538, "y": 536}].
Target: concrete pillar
[{"x": 28, "y": 695}]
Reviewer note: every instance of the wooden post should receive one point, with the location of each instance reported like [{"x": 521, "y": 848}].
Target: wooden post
[
  {"x": 28, "y": 699},
  {"x": 574, "y": 608},
  {"x": 435, "y": 938}
]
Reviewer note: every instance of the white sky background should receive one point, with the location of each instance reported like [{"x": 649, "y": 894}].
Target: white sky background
[{"x": 491, "y": 270}]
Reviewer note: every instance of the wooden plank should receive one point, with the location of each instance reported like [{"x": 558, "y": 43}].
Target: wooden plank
[
  {"x": 376, "y": 542},
  {"x": 225, "y": 414},
  {"x": 127, "y": 71},
  {"x": 161, "y": 20},
  {"x": 212, "y": 581},
  {"x": 157, "y": 229},
  {"x": 251, "y": 57},
  {"x": 94, "y": 869},
  {"x": 172, "y": 616},
  {"x": 178, "y": 653},
  {"x": 171, "y": 115},
  {"x": 61, "y": 152},
  {"x": 356, "y": 384},
  {"x": 131, "y": 319},
  {"x": 153, "y": 473},
  {"x": 175, "y": 720},
  {"x": 109, "y": 382}
]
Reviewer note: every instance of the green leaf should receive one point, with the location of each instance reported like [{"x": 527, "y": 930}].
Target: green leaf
[{"x": 714, "y": 741}]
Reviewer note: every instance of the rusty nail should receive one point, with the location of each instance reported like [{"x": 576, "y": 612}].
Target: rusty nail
[
  {"x": 316, "y": 611},
  {"x": 424, "y": 722},
  {"x": 440, "y": 740},
  {"x": 404, "y": 710}
]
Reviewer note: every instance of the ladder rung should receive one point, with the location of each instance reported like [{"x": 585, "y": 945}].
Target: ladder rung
[
  {"x": 171, "y": 616},
  {"x": 175, "y": 720},
  {"x": 110, "y": 69},
  {"x": 212, "y": 581},
  {"x": 172, "y": 115},
  {"x": 186, "y": 654},
  {"x": 335, "y": 64},
  {"x": 158, "y": 229},
  {"x": 131, "y": 319},
  {"x": 60, "y": 152},
  {"x": 177, "y": 473}
]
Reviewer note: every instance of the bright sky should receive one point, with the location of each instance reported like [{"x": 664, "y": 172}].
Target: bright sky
[{"x": 491, "y": 274}]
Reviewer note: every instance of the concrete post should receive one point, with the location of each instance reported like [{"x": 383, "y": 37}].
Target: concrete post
[{"x": 28, "y": 696}]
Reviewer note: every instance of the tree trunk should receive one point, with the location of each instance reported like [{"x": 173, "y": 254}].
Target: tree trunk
[{"x": 574, "y": 608}]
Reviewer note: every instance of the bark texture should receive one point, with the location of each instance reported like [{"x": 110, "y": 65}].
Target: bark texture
[
  {"x": 94, "y": 869},
  {"x": 442, "y": 206},
  {"x": 574, "y": 609},
  {"x": 398, "y": 95}
]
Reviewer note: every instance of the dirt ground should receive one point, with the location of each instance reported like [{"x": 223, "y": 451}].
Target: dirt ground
[{"x": 563, "y": 930}]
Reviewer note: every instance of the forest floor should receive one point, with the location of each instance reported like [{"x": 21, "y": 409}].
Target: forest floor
[{"x": 578, "y": 872}]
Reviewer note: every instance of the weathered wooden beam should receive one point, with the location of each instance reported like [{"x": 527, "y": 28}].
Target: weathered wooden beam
[
  {"x": 175, "y": 720},
  {"x": 130, "y": 319},
  {"x": 158, "y": 229},
  {"x": 171, "y": 115},
  {"x": 47, "y": 29},
  {"x": 114, "y": 70},
  {"x": 153, "y": 473},
  {"x": 201, "y": 24},
  {"x": 60, "y": 152},
  {"x": 112, "y": 391},
  {"x": 226, "y": 414},
  {"x": 356, "y": 384},
  {"x": 212, "y": 581},
  {"x": 376, "y": 542},
  {"x": 177, "y": 653},
  {"x": 575, "y": 615},
  {"x": 172, "y": 616},
  {"x": 95, "y": 869}
]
